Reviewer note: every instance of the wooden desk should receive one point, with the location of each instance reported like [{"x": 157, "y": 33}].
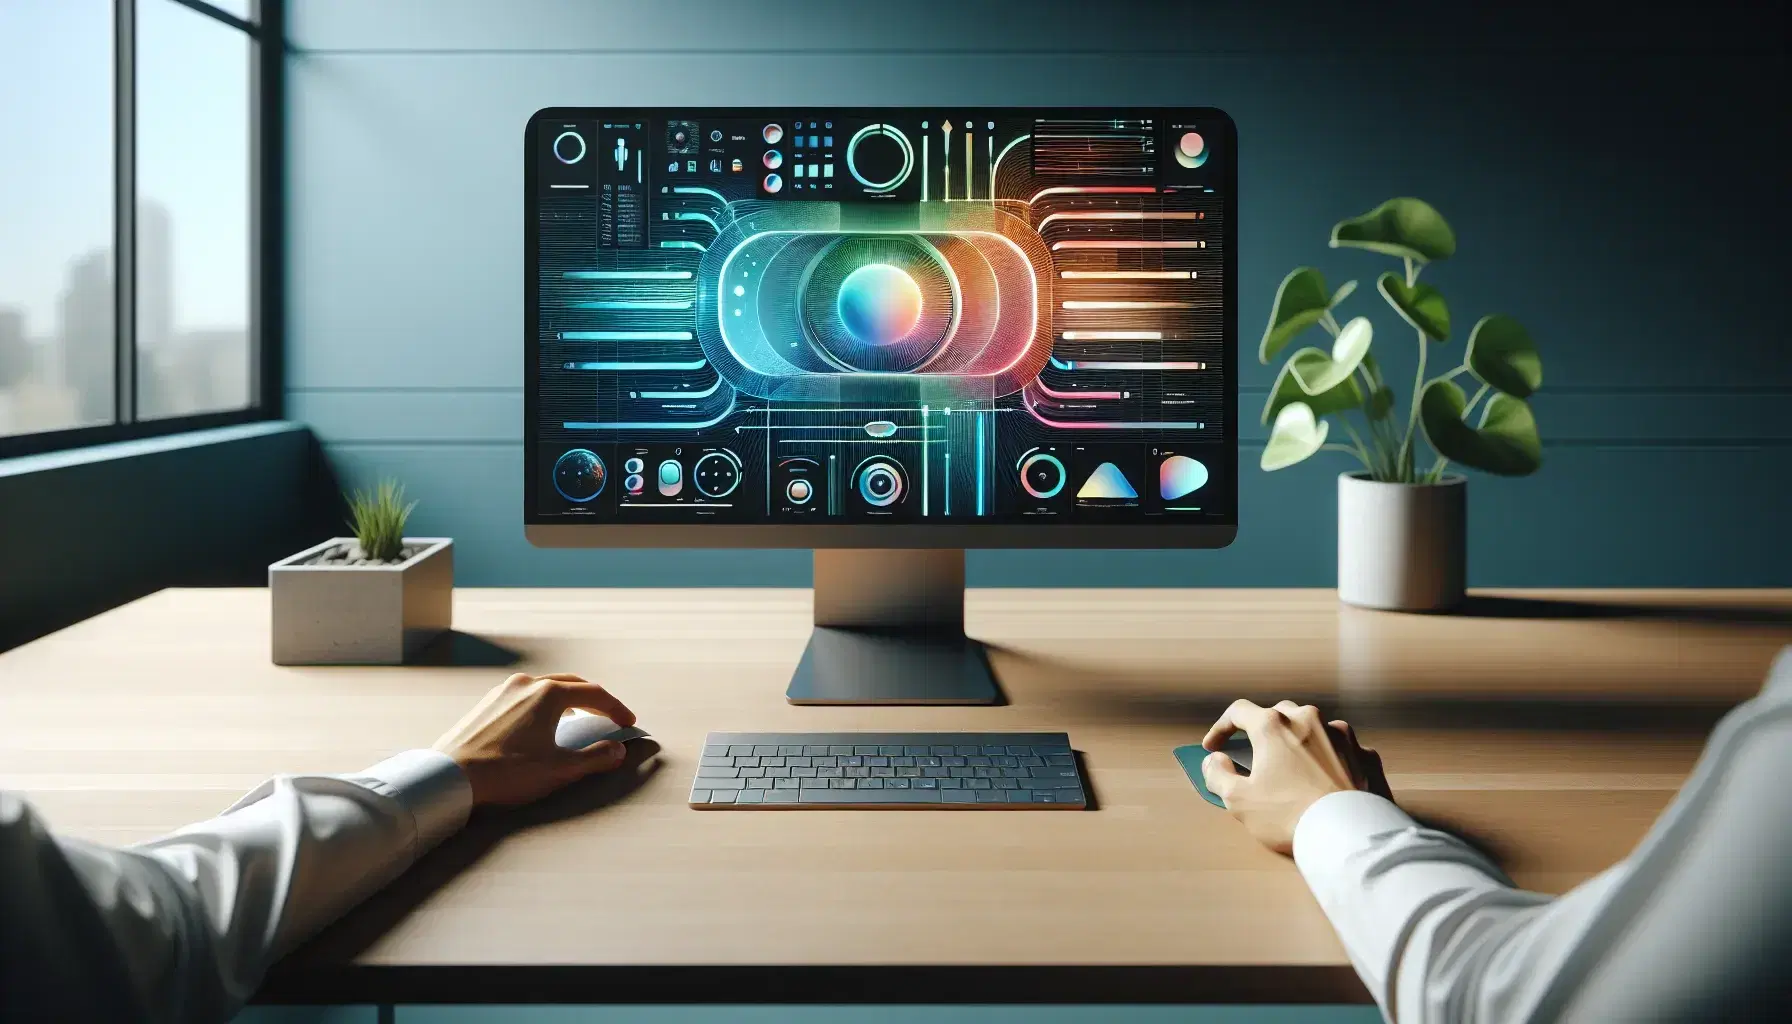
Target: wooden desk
[{"x": 1550, "y": 726}]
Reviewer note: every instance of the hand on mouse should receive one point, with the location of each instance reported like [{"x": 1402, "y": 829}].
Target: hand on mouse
[
  {"x": 506, "y": 743},
  {"x": 1296, "y": 758}
]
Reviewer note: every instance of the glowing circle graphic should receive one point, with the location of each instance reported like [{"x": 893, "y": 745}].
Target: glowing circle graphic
[
  {"x": 1191, "y": 150},
  {"x": 886, "y": 148},
  {"x": 1042, "y": 475},
  {"x": 879, "y": 304},
  {"x": 579, "y": 475},
  {"x": 880, "y": 484}
]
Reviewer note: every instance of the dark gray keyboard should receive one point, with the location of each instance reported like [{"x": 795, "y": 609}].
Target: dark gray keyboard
[{"x": 888, "y": 771}]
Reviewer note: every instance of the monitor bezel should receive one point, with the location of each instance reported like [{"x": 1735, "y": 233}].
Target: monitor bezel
[{"x": 554, "y": 533}]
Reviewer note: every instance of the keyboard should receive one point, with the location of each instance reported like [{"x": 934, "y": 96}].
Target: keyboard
[{"x": 972, "y": 771}]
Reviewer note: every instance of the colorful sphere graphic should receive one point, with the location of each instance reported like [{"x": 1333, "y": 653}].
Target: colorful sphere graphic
[
  {"x": 1191, "y": 150},
  {"x": 579, "y": 475},
  {"x": 1180, "y": 476},
  {"x": 879, "y": 304}
]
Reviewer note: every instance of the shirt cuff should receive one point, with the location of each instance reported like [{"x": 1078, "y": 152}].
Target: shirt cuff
[
  {"x": 430, "y": 785},
  {"x": 1338, "y": 825}
]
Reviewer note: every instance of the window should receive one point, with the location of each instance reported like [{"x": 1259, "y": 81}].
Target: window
[{"x": 137, "y": 252}]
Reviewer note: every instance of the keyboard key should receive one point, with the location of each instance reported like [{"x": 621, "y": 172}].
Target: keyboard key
[
  {"x": 936, "y": 773},
  {"x": 1031, "y": 762},
  {"x": 1005, "y": 761},
  {"x": 1019, "y": 796},
  {"x": 898, "y": 783},
  {"x": 968, "y": 783},
  {"x": 788, "y": 749},
  {"x": 1020, "y": 750},
  {"x": 982, "y": 773},
  {"x": 864, "y": 748},
  {"x": 699, "y": 796},
  {"x": 852, "y": 762},
  {"x": 802, "y": 773},
  {"x": 836, "y": 749},
  {"x": 829, "y": 773},
  {"x": 716, "y": 762},
  {"x": 785, "y": 783},
  {"x": 991, "y": 748},
  {"x": 958, "y": 796},
  {"x": 989, "y": 796},
  {"x": 746, "y": 762},
  {"x": 725, "y": 783},
  {"x": 1016, "y": 773},
  {"x": 826, "y": 761},
  {"x": 771, "y": 762},
  {"x": 978, "y": 761},
  {"x": 722, "y": 796},
  {"x": 951, "y": 783},
  {"x": 882, "y": 773},
  {"x": 879, "y": 796},
  {"x": 778, "y": 773},
  {"x": 877, "y": 762},
  {"x": 962, "y": 773},
  {"x": 764, "y": 748},
  {"x": 913, "y": 750},
  {"x": 927, "y": 784},
  {"x": 751, "y": 796},
  {"x": 781, "y": 796},
  {"x": 908, "y": 773},
  {"x": 799, "y": 762},
  {"x": 740, "y": 749},
  {"x": 1069, "y": 796},
  {"x": 954, "y": 762},
  {"x": 812, "y": 783},
  {"x": 716, "y": 750},
  {"x": 941, "y": 750},
  {"x": 1053, "y": 773},
  {"x": 718, "y": 773},
  {"x": 968, "y": 748},
  {"x": 843, "y": 783},
  {"x": 902, "y": 762},
  {"x": 871, "y": 783},
  {"x": 1067, "y": 760},
  {"x": 759, "y": 783},
  {"x": 929, "y": 762},
  {"x": 1013, "y": 784},
  {"x": 887, "y": 749},
  {"x": 751, "y": 773},
  {"x": 814, "y": 749},
  {"x": 1047, "y": 783},
  {"x": 856, "y": 773}
]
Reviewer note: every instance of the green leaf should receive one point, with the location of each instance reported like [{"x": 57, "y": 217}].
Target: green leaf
[
  {"x": 1381, "y": 402},
  {"x": 1501, "y": 353},
  {"x": 1506, "y": 442},
  {"x": 1317, "y": 376},
  {"x": 1344, "y": 291},
  {"x": 1310, "y": 364},
  {"x": 1300, "y": 303},
  {"x": 1405, "y": 227},
  {"x": 1296, "y": 435},
  {"x": 1420, "y": 305}
]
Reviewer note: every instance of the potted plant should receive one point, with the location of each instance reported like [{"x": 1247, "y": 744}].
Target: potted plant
[
  {"x": 376, "y": 598},
  {"x": 1402, "y": 520}
]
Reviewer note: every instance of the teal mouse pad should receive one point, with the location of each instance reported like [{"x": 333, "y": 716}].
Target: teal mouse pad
[{"x": 1190, "y": 758}]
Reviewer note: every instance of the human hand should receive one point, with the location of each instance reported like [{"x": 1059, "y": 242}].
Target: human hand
[
  {"x": 1296, "y": 758},
  {"x": 506, "y": 743}
]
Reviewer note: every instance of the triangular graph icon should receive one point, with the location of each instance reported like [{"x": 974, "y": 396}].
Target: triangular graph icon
[{"x": 1107, "y": 482}]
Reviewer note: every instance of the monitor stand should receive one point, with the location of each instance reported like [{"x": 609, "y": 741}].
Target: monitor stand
[{"x": 889, "y": 629}]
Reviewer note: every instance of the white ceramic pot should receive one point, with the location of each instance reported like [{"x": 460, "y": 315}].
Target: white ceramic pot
[
  {"x": 1402, "y": 547},
  {"x": 361, "y": 614}
]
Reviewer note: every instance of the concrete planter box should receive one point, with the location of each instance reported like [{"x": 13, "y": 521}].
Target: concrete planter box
[{"x": 361, "y": 614}]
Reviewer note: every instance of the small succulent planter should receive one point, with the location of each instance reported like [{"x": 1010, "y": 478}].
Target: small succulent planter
[{"x": 334, "y": 606}]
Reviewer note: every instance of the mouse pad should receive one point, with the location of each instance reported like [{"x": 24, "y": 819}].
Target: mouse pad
[{"x": 1191, "y": 756}]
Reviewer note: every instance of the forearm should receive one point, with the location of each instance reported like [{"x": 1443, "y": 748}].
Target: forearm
[
  {"x": 185, "y": 926},
  {"x": 1435, "y": 929}
]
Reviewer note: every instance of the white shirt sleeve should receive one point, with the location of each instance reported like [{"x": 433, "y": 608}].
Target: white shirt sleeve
[
  {"x": 183, "y": 928},
  {"x": 1436, "y": 931}
]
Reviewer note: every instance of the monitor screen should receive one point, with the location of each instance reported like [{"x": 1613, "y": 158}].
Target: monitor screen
[{"x": 817, "y": 316}]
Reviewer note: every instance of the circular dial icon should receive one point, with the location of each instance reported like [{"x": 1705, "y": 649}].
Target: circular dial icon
[
  {"x": 1191, "y": 150},
  {"x": 773, "y": 183},
  {"x": 579, "y": 475},
  {"x": 880, "y": 482},
  {"x": 569, "y": 147},
  {"x": 799, "y": 491},
  {"x": 772, "y": 134},
  {"x": 772, "y": 159},
  {"x": 1042, "y": 475},
  {"x": 880, "y": 157},
  {"x": 716, "y": 474}
]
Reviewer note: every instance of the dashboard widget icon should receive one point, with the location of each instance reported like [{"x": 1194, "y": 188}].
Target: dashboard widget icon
[
  {"x": 803, "y": 483},
  {"x": 880, "y": 482},
  {"x": 772, "y": 159},
  {"x": 1179, "y": 476},
  {"x": 579, "y": 475},
  {"x": 569, "y": 147},
  {"x": 1107, "y": 483},
  {"x": 1042, "y": 475},
  {"x": 681, "y": 137},
  {"x": 671, "y": 478},
  {"x": 634, "y": 465},
  {"x": 774, "y": 183},
  {"x": 716, "y": 474},
  {"x": 634, "y": 483},
  {"x": 772, "y": 134}
]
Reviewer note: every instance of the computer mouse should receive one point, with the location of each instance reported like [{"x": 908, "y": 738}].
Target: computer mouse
[
  {"x": 583, "y": 728},
  {"x": 1237, "y": 747}
]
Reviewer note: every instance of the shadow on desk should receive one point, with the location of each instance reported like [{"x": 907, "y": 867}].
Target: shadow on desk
[
  {"x": 455, "y": 649},
  {"x": 385, "y": 910}
]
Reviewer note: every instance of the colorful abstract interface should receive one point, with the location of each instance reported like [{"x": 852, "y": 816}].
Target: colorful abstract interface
[{"x": 984, "y": 316}]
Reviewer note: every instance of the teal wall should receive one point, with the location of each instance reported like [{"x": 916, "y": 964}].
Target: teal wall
[{"x": 1607, "y": 175}]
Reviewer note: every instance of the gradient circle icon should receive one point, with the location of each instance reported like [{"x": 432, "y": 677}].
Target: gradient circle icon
[
  {"x": 1191, "y": 149},
  {"x": 1180, "y": 476},
  {"x": 569, "y": 147},
  {"x": 772, "y": 159},
  {"x": 880, "y": 483},
  {"x": 773, "y": 183},
  {"x": 772, "y": 134},
  {"x": 799, "y": 491},
  {"x": 879, "y": 304},
  {"x": 579, "y": 475},
  {"x": 1042, "y": 475},
  {"x": 634, "y": 483}
]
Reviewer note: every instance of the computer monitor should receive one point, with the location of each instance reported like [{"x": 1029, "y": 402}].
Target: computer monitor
[{"x": 888, "y": 334}]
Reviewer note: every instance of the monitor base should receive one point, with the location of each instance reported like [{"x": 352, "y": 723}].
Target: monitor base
[{"x": 861, "y": 666}]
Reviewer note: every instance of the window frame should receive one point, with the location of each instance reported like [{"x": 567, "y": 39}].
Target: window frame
[{"x": 266, "y": 31}]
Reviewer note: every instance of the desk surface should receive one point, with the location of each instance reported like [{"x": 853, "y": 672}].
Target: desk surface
[{"x": 1549, "y": 726}]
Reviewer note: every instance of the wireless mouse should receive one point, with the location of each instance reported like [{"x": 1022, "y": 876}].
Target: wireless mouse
[
  {"x": 1237, "y": 747},
  {"x": 582, "y": 728}
]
